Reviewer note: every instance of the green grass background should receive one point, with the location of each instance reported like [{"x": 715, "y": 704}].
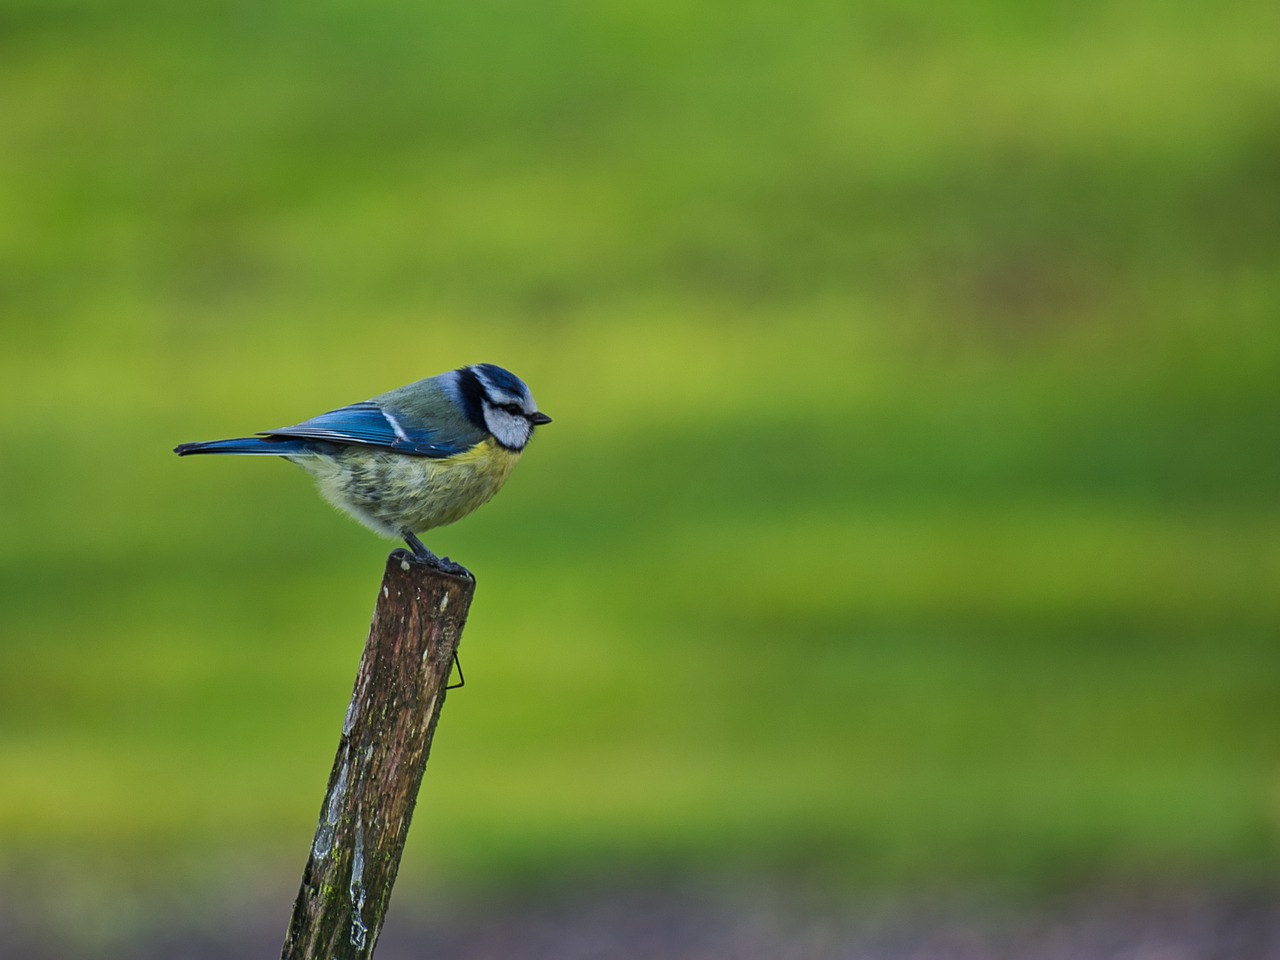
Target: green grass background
[{"x": 910, "y": 513}]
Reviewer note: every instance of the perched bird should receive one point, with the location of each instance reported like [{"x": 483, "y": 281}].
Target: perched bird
[{"x": 419, "y": 457}]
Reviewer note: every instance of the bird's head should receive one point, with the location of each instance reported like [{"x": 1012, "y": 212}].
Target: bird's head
[{"x": 507, "y": 408}]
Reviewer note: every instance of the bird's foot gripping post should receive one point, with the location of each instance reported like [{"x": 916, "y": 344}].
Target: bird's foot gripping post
[
  {"x": 386, "y": 736},
  {"x": 423, "y": 555}
]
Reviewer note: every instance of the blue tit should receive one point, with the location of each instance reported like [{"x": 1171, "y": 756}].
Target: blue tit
[{"x": 419, "y": 457}]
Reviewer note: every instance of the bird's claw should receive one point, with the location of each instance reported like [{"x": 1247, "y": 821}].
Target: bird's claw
[
  {"x": 445, "y": 565},
  {"x": 429, "y": 559}
]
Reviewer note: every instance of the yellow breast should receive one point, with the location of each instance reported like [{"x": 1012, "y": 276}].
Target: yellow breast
[
  {"x": 455, "y": 486},
  {"x": 390, "y": 492}
]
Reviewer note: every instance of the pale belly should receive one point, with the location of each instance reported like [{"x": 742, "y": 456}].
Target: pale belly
[{"x": 390, "y": 493}]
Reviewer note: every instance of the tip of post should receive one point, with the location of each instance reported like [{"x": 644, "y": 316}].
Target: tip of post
[{"x": 445, "y": 567}]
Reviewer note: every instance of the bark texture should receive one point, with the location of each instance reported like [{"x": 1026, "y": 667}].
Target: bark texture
[{"x": 386, "y": 736}]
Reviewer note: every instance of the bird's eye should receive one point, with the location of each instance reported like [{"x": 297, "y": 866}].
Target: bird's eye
[{"x": 513, "y": 408}]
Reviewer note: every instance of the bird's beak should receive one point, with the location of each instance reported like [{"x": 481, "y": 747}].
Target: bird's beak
[{"x": 538, "y": 419}]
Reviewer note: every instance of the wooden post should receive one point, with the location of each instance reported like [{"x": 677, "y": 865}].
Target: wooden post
[{"x": 400, "y": 688}]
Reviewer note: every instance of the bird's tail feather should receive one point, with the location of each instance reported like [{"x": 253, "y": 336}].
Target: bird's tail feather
[{"x": 247, "y": 446}]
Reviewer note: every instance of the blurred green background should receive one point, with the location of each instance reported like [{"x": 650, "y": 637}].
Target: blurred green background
[{"x": 910, "y": 514}]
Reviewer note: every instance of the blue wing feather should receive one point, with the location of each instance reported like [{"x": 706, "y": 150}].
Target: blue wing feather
[{"x": 369, "y": 424}]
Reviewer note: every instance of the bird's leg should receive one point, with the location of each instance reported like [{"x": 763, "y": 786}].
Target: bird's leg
[
  {"x": 423, "y": 555},
  {"x": 420, "y": 551}
]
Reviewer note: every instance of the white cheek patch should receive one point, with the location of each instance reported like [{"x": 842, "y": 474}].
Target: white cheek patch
[{"x": 511, "y": 431}]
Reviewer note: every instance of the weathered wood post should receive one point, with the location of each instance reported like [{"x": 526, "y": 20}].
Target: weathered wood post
[{"x": 386, "y": 735}]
